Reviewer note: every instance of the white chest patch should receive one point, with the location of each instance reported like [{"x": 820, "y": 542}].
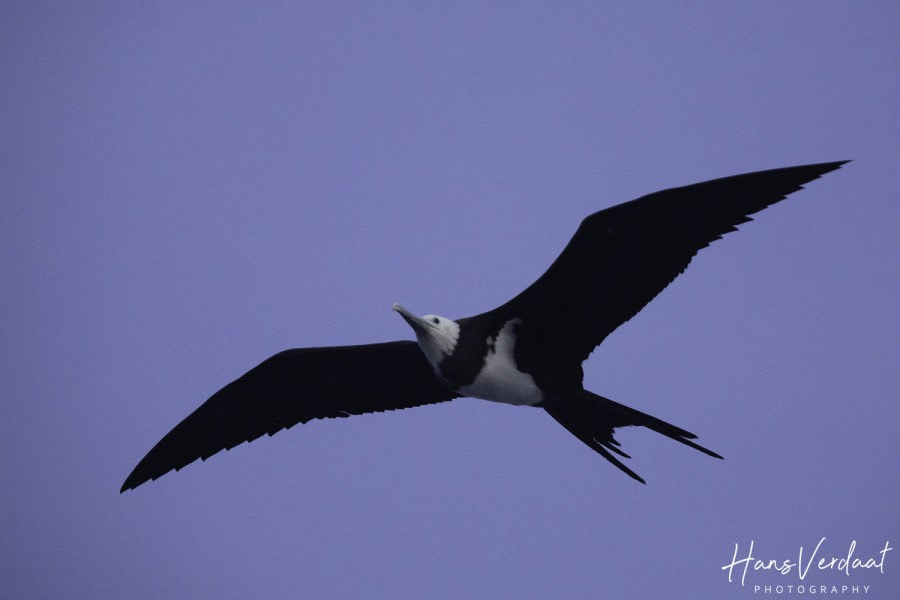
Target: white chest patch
[{"x": 499, "y": 379}]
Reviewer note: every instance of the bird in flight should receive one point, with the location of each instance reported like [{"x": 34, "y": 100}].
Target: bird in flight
[{"x": 528, "y": 351}]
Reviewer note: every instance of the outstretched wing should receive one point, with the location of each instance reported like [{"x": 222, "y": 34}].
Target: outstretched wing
[
  {"x": 296, "y": 386},
  {"x": 620, "y": 258}
]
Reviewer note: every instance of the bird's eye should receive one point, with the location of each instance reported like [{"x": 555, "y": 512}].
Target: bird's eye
[{"x": 435, "y": 320}]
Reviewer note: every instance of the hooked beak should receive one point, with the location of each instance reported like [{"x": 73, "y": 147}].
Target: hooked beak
[{"x": 419, "y": 325}]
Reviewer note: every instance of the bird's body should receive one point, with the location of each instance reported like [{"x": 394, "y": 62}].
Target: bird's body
[
  {"x": 499, "y": 378},
  {"x": 529, "y": 351}
]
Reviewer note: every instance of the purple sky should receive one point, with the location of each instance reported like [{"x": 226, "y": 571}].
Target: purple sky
[{"x": 188, "y": 189}]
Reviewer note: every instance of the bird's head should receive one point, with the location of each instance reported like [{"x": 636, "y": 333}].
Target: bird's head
[{"x": 437, "y": 336}]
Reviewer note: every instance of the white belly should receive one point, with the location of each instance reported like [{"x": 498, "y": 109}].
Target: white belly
[{"x": 499, "y": 379}]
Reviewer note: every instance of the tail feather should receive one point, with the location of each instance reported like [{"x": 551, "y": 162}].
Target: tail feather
[{"x": 592, "y": 419}]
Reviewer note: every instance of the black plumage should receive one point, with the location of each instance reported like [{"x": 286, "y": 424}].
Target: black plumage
[
  {"x": 296, "y": 386},
  {"x": 618, "y": 260}
]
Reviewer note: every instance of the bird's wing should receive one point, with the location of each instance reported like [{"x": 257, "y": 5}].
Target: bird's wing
[
  {"x": 296, "y": 386},
  {"x": 620, "y": 258}
]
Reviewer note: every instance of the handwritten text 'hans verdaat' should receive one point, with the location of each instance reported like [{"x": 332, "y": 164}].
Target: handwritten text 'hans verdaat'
[{"x": 845, "y": 563}]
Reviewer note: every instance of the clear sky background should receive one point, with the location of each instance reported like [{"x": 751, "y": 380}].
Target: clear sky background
[{"x": 190, "y": 188}]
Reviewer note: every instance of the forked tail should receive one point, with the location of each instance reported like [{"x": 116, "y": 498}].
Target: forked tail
[{"x": 592, "y": 419}]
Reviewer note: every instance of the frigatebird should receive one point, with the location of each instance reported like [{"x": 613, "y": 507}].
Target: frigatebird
[{"x": 528, "y": 351}]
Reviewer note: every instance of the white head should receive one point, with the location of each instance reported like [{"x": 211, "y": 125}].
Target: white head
[{"x": 437, "y": 336}]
